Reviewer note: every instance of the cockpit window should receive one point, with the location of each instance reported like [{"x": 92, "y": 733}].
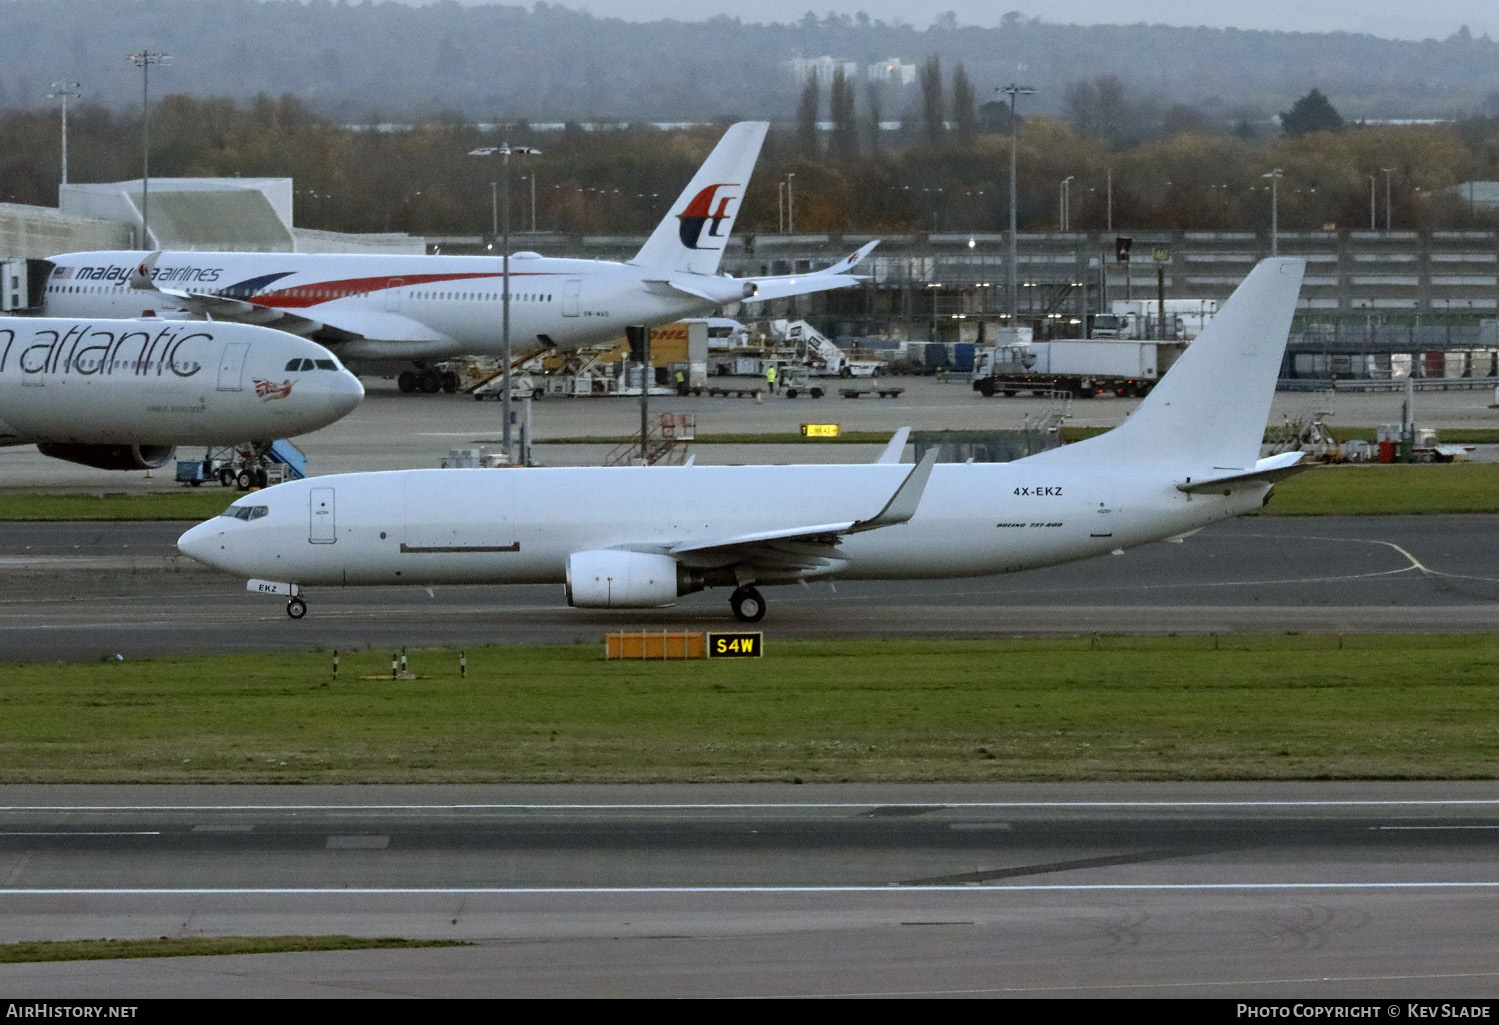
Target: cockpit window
[
  {"x": 295, "y": 364},
  {"x": 326, "y": 364},
  {"x": 246, "y": 512}
]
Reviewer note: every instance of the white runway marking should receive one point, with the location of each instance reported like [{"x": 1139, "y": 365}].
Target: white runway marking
[
  {"x": 79, "y": 832},
  {"x": 936, "y": 804},
  {"x": 562, "y": 891}
]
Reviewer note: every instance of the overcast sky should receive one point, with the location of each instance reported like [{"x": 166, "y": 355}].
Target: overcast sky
[{"x": 1394, "y": 19}]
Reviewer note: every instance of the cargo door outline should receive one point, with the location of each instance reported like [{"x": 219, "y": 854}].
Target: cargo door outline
[
  {"x": 322, "y": 528},
  {"x": 393, "y": 294},
  {"x": 434, "y": 526},
  {"x": 572, "y": 291},
  {"x": 232, "y": 366}
]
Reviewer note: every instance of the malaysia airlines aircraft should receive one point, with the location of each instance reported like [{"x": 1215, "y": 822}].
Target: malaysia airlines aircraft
[
  {"x": 418, "y": 309},
  {"x": 639, "y": 537},
  {"x": 121, "y": 394}
]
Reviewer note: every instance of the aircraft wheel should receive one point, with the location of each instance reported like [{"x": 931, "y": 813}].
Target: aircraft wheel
[
  {"x": 748, "y": 605},
  {"x": 449, "y": 381},
  {"x": 407, "y": 381},
  {"x": 296, "y": 608},
  {"x": 431, "y": 382}
]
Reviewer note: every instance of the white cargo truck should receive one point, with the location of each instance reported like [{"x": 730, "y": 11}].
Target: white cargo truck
[
  {"x": 1083, "y": 367},
  {"x": 1140, "y": 319}
]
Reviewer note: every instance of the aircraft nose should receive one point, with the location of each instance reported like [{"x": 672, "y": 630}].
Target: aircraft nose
[
  {"x": 201, "y": 543},
  {"x": 344, "y": 394}
]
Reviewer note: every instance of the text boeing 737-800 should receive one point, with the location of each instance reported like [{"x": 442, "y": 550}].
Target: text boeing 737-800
[
  {"x": 121, "y": 394},
  {"x": 417, "y": 309},
  {"x": 638, "y": 537}
]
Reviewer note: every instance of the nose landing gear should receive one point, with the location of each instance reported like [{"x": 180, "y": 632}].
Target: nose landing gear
[
  {"x": 748, "y": 605},
  {"x": 296, "y": 608}
]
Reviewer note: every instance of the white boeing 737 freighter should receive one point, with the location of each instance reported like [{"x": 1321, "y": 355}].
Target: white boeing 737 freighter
[
  {"x": 382, "y": 313},
  {"x": 121, "y": 394},
  {"x": 639, "y": 537}
]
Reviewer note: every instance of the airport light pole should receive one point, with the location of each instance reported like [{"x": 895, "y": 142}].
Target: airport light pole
[
  {"x": 1274, "y": 177},
  {"x": 1064, "y": 210},
  {"x": 504, "y": 151},
  {"x": 1388, "y": 215},
  {"x": 790, "y": 206},
  {"x": 145, "y": 60},
  {"x": 1109, "y": 222},
  {"x": 63, "y": 91},
  {"x": 1013, "y": 91},
  {"x": 1373, "y": 216}
]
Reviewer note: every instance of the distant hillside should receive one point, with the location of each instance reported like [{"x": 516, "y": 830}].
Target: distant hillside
[{"x": 388, "y": 61}]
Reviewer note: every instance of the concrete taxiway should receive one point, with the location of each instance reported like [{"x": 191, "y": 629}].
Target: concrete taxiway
[
  {"x": 84, "y": 591},
  {"x": 1210, "y": 890}
]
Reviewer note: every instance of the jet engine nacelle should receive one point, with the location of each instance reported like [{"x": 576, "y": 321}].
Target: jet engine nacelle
[
  {"x": 111, "y": 457},
  {"x": 615, "y": 579}
]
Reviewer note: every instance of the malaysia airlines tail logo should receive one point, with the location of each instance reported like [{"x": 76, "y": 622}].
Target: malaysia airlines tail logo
[{"x": 703, "y": 211}]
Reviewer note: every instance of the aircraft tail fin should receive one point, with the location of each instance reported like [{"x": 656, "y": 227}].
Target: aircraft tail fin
[
  {"x": 692, "y": 236},
  {"x": 1210, "y": 409}
]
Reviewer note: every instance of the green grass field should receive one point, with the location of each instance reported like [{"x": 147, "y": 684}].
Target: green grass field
[
  {"x": 1325, "y": 491},
  {"x": 1277, "y": 707}
]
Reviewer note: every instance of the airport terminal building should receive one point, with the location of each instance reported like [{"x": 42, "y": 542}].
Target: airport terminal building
[{"x": 1429, "y": 300}]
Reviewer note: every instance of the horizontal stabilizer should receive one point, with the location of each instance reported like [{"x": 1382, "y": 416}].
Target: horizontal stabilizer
[
  {"x": 798, "y": 284},
  {"x": 1268, "y": 471}
]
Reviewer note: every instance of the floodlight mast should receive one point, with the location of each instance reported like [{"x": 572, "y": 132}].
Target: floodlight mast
[
  {"x": 504, "y": 150},
  {"x": 145, "y": 60},
  {"x": 1013, "y": 91}
]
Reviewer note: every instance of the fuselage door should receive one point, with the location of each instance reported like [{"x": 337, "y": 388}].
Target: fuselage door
[
  {"x": 393, "y": 294},
  {"x": 321, "y": 529},
  {"x": 232, "y": 366},
  {"x": 572, "y": 289}
]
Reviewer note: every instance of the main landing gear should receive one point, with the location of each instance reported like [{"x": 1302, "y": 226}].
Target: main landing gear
[
  {"x": 748, "y": 605},
  {"x": 296, "y": 608}
]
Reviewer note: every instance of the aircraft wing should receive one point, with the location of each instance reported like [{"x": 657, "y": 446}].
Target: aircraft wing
[
  {"x": 811, "y": 545},
  {"x": 341, "y": 326},
  {"x": 836, "y": 276}
]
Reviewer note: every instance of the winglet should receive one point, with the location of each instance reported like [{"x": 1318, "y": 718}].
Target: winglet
[
  {"x": 850, "y": 261},
  {"x": 141, "y": 278},
  {"x": 902, "y": 504},
  {"x": 896, "y": 447}
]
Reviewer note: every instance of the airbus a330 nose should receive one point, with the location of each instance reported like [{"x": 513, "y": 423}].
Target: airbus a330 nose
[{"x": 344, "y": 394}]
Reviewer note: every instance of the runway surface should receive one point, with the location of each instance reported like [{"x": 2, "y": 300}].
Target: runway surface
[
  {"x": 1215, "y": 890},
  {"x": 84, "y": 591}
]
